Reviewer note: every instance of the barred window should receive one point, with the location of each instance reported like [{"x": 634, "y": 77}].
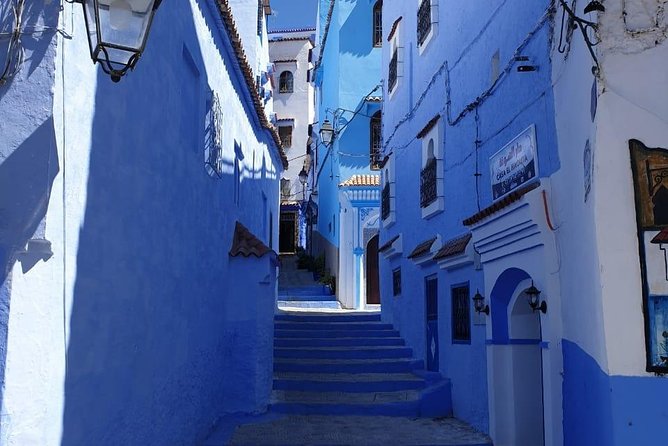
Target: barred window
[
  {"x": 285, "y": 133},
  {"x": 378, "y": 24},
  {"x": 376, "y": 141},
  {"x": 396, "y": 281},
  {"x": 428, "y": 179},
  {"x": 461, "y": 314},
  {"x": 393, "y": 71},
  {"x": 286, "y": 82},
  {"x": 423, "y": 21}
]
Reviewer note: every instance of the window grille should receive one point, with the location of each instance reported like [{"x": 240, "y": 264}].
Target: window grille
[
  {"x": 423, "y": 21},
  {"x": 260, "y": 17},
  {"x": 392, "y": 75},
  {"x": 376, "y": 141},
  {"x": 286, "y": 82},
  {"x": 461, "y": 314},
  {"x": 385, "y": 202},
  {"x": 378, "y": 24},
  {"x": 214, "y": 139},
  {"x": 428, "y": 188},
  {"x": 396, "y": 281},
  {"x": 285, "y": 133}
]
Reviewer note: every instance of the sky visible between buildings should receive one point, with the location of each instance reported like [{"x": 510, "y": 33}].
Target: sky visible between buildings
[{"x": 289, "y": 14}]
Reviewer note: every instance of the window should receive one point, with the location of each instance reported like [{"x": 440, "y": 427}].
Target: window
[
  {"x": 376, "y": 141},
  {"x": 393, "y": 70},
  {"x": 285, "y": 133},
  {"x": 286, "y": 82},
  {"x": 423, "y": 21},
  {"x": 461, "y": 314},
  {"x": 260, "y": 17},
  {"x": 396, "y": 281},
  {"x": 237, "y": 181},
  {"x": 428, "y": 177},
  {"x": 286, "y": 188},
  {"x": 378, "y": 24},
  {"x": 385, "y": 199}
]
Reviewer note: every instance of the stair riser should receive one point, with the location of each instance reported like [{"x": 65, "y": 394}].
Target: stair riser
[
  {"x": 319, "y": 334},
  {"x": 330, "y": 305},
  {"x": 341, "y": 342},
  {"x": 387, "y": 367},
  {"x": 314, "y": 290},
  {"x": 344, "y": 354},
  {"x": 408, "y": 409},
  {"x": 348, "y": 386},
  {"x": 332, "y": 326},
  {"x": 307, "y": 297},
  {"x": 332, "y": 318}
]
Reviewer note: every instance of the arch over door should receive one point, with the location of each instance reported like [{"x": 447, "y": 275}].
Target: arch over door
[{"x": 372, "y": 279}]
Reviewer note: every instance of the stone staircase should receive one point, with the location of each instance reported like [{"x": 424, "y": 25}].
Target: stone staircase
[{"x": 351, "y": 364}]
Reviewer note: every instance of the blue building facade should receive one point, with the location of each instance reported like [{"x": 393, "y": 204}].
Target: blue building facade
[
  {"x": 506, "y": 144},
  {"x": 454, "y": 98},
  {"x": 347, "y": 78},
  {"x": 139, "y": 224}
]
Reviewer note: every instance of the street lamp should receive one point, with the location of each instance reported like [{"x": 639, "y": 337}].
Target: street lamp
[
  {"x": 533, "y": 295},
  {"x": 479, "y": 303},
  {"x": 117, "y": 32},
  {"x": 326, "y": 132},
  {"x": 303, "y": 178}
]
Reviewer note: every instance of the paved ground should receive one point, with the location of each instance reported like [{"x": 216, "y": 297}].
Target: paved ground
[{"x": 348, "y": 430}]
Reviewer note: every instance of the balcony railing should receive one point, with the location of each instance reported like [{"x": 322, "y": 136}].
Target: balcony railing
[
  {"x": 385, "y": 202},
  {"x": 392, "y": 76},
  {"x": 423, "y": 21},
  {"x": 428, "y": 188}
]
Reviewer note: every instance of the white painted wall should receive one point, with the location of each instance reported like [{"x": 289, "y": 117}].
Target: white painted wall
[
  {"x": 298, "y": 105},
  {"x": 601, "y": 281}
]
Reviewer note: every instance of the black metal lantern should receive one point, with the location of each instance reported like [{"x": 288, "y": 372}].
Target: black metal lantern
[
  {"x": 594, "y": 5},
  {"x": 479, "y": 303},
  {"x": 303, "y": 176},
  {"x": 533, "y": 296},
  {"x": 117, "y": 32},
  {"x": 326, "y": 132}
]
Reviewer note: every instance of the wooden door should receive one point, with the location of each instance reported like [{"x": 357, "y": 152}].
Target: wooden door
[{"x": 372, "y": 279}]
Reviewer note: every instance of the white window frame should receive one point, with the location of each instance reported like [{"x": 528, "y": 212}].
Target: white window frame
[
  {"x": 434, "y": 134},
  {"x": 434, "y": 27}
]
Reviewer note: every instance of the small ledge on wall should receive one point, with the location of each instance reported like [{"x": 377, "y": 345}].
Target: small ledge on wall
[
  {"x": 424, "y": 252},
  {"x": 435, "y": 208},
  {"x": 392, "y": 248}
]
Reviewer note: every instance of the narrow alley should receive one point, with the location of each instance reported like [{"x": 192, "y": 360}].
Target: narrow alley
[{"x": 333, "y": 222}]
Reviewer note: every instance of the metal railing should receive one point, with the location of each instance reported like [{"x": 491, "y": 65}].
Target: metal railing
[{"x": 428, "y": 186}]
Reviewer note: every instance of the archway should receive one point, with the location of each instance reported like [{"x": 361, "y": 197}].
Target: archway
[
  {"x": 515, "y": 371},
  {"x": 372, "y": 278}
]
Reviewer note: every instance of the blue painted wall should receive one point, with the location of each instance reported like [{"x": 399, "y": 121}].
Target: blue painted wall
[
  {"x": 163, "y": 331},
  {"x": 468, "y": 36},
  {"x": 349, "y": 71}
]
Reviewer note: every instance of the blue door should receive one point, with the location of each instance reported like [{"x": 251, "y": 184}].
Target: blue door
[{"x": 431, "y": 296}]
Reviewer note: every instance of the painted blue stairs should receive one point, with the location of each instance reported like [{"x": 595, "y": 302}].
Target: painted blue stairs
[{"x": 351, "y": 364}]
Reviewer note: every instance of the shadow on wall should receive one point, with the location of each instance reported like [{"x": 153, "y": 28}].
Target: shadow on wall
[
  {"x": 351, "y": 42},
  {"x": 154, "y": 339},
  {"x": 26, "y": 177}
]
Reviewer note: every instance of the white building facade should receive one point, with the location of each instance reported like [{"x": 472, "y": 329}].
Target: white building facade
[{"x": 290, "y": 53}]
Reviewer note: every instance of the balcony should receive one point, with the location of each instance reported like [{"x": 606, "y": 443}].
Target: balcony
[
  {"x": 428, "y": 184},
  {"x": 423, "y": 21}
]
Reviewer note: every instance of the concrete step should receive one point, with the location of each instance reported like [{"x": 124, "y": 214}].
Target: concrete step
[
  {"x": 347, "y": 365},
  {"x": 288, "y": 305},
  {"x": 290, "y": 325},
  {"x": 376, "y": 352},
  {"x": 307, "y": 297},
  {"x": 305, "y": 290},
  {"x": 324, "y": 317},
  {"x": 402, "y": 403},
  {"x": 338, "y": 342},
  {"x": 329, "y": 334},
  {"x": 348, "y": 382}
]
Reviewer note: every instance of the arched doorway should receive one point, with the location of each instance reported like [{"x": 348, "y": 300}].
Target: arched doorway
[
  {"x": 372, "y": 278},
  {"x": 515, "y": 370}
]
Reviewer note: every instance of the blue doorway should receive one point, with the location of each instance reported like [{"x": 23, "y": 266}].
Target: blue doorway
[{"x": 431, "y": 298}]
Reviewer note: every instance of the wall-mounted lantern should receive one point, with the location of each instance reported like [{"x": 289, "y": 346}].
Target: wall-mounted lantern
[
  {"x": 533, "y": 296},
  {"x": 117, "y": 32},
  {"x": 326, "y": 132},
  {"x": 303, "y": 178},
  {"x": 479, "y": 303},
  {"x": 594, "y": 5}
]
